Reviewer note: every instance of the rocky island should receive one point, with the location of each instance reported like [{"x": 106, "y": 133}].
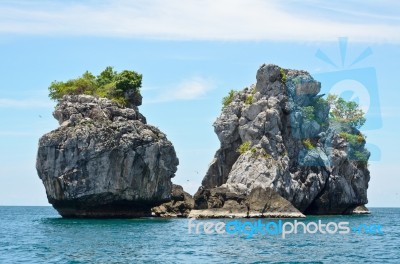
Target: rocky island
[
  {"x": 104, "y": 160},
  {"x": 285, "y": 152}
]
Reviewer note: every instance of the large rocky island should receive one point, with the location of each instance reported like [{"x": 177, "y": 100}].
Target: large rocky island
[
  {"x": 282, "y": 153},
  {"x": 104, "y": 160}
]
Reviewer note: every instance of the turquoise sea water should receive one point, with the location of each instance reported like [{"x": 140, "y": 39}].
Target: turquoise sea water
[{"x": 39, "y": 235}]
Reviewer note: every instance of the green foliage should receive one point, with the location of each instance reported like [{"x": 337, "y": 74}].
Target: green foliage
[
  {"x": 283, "y": 75},
  {"x": 249, "y": 99},
  {"x": 346, "y": 112},
  {"x": 308, "y": 144},
  {"x": 320, "y": 103},
  {"x": 296, "y": 80},
  {"x": 361, "y": 157},
  {"x": 106, "y": 77},
  {"x": 244, "y": 147},
  {"x": 228, "y": 99},
  {"x": 353, "y": 139},
  {"x": 308, "y": 112},
  {"x": 108, "y": 83},
  {"x": 253, "y": 150},
  {"x": 320, "y": 106},
  {"x": 331, "y": 98},
  {"x": 356, "y": 150}
]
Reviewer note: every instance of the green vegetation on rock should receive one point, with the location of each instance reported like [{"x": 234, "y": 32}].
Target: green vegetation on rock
[
  {"x": 356, "y": 150},
  {"x": 244, "y": 147},
  {"x": 249, "y": 99},
  {"x": 361, "y": 157},
  {"x": 308, "y": 112},
  {"x": 122, "y": 87},
  {"x": 228, "y": 99},
  {"x": 283, "y": 75},
  {"x": 308, "y": 144},
  {"x": 353, "y": 139},
  {"x": 346, "y": 111}
]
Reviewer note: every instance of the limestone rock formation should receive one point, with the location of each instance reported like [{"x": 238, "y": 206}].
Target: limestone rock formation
[
  {"x": 219, "y": 202},
  {"x": 180, "y": 205},
  {"x": 302, "y": 156},
  {"x": 362, "y": 209},
  {"x": 104, "y": 160}
]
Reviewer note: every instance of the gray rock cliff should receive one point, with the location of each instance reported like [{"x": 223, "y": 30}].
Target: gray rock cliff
[
  {"x": 304, "y": 160},
  {"x": 104, "y": 160}
]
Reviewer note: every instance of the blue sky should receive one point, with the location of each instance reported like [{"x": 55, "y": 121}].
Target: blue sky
[{"x": 191, "y": 53}]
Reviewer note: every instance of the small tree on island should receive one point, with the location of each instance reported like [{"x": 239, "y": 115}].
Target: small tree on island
[
  {"x": 345, "y": 111},
  {"x": 122, "y": 87}
]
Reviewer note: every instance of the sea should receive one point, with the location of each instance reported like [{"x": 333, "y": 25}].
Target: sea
[{"x": 40, "y": 235}]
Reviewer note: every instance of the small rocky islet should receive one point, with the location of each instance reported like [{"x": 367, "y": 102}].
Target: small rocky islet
[{"x": 276, "y": 157}]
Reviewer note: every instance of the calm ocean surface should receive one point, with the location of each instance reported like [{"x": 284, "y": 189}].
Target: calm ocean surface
[{"x": 39, "y": 235}]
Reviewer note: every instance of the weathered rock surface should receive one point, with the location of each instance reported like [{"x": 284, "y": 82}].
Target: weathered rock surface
[
  {"x": 303, "y": 159},
  {"x": 104, "y": 160},
  {"x": 362, "y": 209},
  {"x": 179, "y": 206},
  {"x": 261, "y": 202}
]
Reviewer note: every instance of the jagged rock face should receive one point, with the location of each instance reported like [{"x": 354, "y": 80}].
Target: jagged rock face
[
  {"x": 320, "y": 177},
  {"x": 104, "y": 160},
  {"x": 260, "y": 202},
  {"x": 180, "y": 205},
  {"x": 361, "y": 210}
]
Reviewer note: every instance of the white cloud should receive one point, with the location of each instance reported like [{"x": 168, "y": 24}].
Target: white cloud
[
  {"x": 190, "y": 89},
  {"x": 205, "y": 19},
  {"x": 24, "y": 103}
]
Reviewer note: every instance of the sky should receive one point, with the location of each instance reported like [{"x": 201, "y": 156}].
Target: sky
[{"x": 191, "y": 53}]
